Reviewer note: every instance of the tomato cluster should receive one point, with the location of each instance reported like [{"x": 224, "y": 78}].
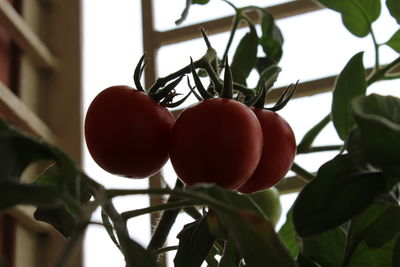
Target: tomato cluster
[{"x": 216, "y": 140}]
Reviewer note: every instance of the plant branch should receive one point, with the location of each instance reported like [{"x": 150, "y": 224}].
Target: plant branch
[
  {"x": 167, "y": 206},
  {"x": 164, "y": 249},
  {"x": 166, "y": 222},
  {"x": 307, "y": 176},
  {"x": 376, "y": 76},
  {"x": 321, "y": 149},
  {"x": 376, "y": 47},
  {"x": 121, "y": 230},
  {"x": 210, "y": 55}
]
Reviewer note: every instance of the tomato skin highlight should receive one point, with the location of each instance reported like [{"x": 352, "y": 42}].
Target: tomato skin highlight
[
  {"x": 278, "y": 154},
  {"x": 216, "y": 141},
  {"x": 127, "y": 132}
]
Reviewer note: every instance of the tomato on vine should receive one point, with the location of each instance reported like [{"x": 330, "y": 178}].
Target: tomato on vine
[
  {"x": 217, "y": 140},
  {"x": 278, "y": 153},
  {"x": 127, "y": 132}
]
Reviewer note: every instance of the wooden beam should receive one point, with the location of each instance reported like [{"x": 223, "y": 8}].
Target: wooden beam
[
  {"x": 281, "y": 11},
  {"x": 16, "y": 112},
  {"x": 23, "y": 35}
]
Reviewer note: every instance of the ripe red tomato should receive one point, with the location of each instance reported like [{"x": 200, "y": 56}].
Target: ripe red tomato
[
  {"x": 278, "y": 153},
  {"x": 127, "y": 132},
  {"x": 216, "y": 141}
]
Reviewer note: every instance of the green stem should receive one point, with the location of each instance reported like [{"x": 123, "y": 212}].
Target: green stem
[
  {"x": 302, "y": 172},
  {"x": 167, "y": 206},
  {"x": 166, "y": 222},
  {"x": 203, "y": 199},
  {"x": 376, "y": 47},
  {"x": 121, "y": 230},
  {"x": 193, "y": 212},
  {"x": 376, "y": 76},
  {"x": 165, "y": 249},
  {"x": 210, "y": 55},
  {"x": 392, "y": 77},
  {"x": 321, "y": 149}
]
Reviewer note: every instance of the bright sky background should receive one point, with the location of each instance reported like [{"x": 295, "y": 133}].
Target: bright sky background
[{"x": 316, "y": 45}]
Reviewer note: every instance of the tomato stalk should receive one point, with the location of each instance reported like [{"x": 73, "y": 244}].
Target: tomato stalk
[
  {"x": 166, "y": 222},
  {"x": 305, "y": 175},
  {"x": 178, "y": 204},
  {"x": 120, "y": 226}
]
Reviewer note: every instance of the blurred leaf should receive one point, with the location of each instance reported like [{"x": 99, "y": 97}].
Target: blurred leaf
[
  {"x": 360, "y": 223},
  {"x": 245, "y": 56},
  {"x": 58, "y": 191},
  {"x": 195, "y": 242},
  {"x": 394, "y": 41},
  {"x": 384, "y": 228},
  {"x": 252, "y": 233},
  {"x": 12, "y": 194},
  {"x": 365, "y": 256},
  {"x": 63, "y": 216},
  {"x": 350, "y": 84},
  {"x": 17, "y": 151},
  {"x": 58, "y": 217},
  {"x": 378, "y": 121},
  {"x": 357, "y": 15},
  {"x": 340, "y": 191},
  {"x": 263, "y": 63},
  {"x": 185, "y": 12},
  {"x": 271, "y": 39},
  {"x": 394, "y": 9},
  {"x": 326, "y": 248},
  {"x": 231, "y": 255},
  {"x": 287, "y": 235},
  {"x": 269, "y": 76},
  {"x": 310, "y": 136}
]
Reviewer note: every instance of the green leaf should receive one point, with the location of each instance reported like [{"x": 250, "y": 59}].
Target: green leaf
[
  {"x": 245, "y": 56},
  {"x": 365, "y": 256},
  {"x": 253, "y": 234},
  {"x": 360, "y": 227},
  {"x": 17, "y": 151},
  {"x": 350, "y": 84},
  {"x": 378, "y": 121},
  {"x": 231, "y": 256},
  {"x": 12, "y": 194},
  {"x": 326, "y": 249},
  {"x": 357, "y": 15},
  {"x": 287, "y": 235},
  {"x": 195, "y": 242},
  {"x": 64, "y": 216},
  {"x": 394, "y": 9},
  {"x": 271, "y": 39},
  {"x": 58, "y": 191},
  {"x": 58, "y": 217},
  {"x": 340, "y": 191},
  {"x": 394, "y": 41},
  {"x": 384, "y": 228}
]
